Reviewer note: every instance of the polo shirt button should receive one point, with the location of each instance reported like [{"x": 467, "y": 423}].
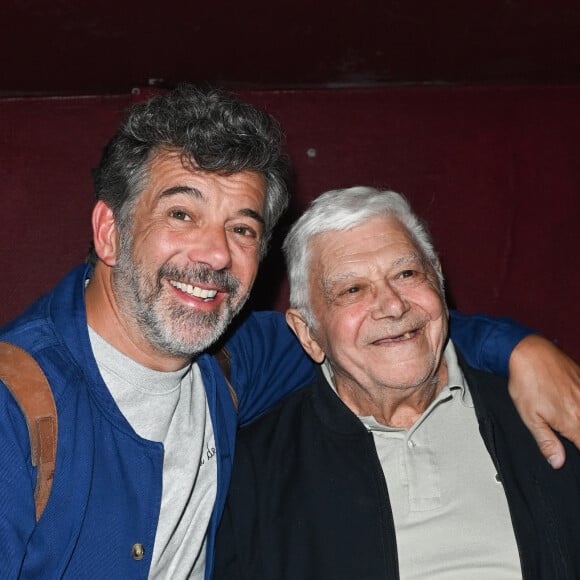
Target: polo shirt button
[
  {"x": 138, "y": 551},
  {"x": 411, "y": 444}
]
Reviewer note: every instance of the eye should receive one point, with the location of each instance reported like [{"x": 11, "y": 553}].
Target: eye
[
  {"x": 245, "y": 231},
  {"x": 410, "y": 276},
  {"x": 179, "y": 214},
  {"x": 349, "y": 291}
]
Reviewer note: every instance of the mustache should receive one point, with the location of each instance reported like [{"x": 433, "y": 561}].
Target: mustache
[{"x": 200, "y": 273}]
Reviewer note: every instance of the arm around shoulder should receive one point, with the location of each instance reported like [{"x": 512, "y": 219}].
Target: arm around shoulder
[
  {"x": 544, "y": 382},
  {"x": 545, "y": 387},
  {"x": 487, "y": 342}
]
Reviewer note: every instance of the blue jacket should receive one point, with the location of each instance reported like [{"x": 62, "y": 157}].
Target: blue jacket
[{"x": 106, "y": 493}]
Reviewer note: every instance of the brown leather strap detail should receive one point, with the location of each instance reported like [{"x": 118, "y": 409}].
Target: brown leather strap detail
[
  {"x": 29, "y": 387},
  {"x": 223, "y": 357}
]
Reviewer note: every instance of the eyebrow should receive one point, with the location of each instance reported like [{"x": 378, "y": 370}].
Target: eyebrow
[
  {"x": 193, "y": 191},
  {"x": 247, "y": 212},
  {"x": 339, "y": 278},
  {"x": 196, "y": 193},
  {"x": 328, "y": 283},
  {"x": 409, "y": 258}
]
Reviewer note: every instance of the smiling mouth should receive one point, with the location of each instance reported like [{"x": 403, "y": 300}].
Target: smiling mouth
[
  {"x": 202, "y": 293},
  {"x": 399, "y": 338}
]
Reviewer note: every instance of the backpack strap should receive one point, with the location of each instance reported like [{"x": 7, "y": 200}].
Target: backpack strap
[
  {"x": 29, "y": 387},
  {"x": 224, "y": 359}
]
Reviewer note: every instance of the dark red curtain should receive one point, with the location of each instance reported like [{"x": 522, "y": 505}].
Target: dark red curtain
[{"x": 494, "y": 171}]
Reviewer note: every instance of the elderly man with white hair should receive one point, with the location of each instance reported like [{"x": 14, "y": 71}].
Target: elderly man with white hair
[{"x": 399, "y": 461}]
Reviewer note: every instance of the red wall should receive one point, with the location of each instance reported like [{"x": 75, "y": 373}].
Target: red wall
[{"x": 494, "y": 170}]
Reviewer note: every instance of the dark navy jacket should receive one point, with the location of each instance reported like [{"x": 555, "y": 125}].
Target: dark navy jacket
[{"x": 308, "y": 498}]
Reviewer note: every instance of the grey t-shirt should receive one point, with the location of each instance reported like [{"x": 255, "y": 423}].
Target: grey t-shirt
[{"x": 171, "y": 408}]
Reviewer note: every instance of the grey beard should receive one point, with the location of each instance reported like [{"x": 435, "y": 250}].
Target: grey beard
[{"x": 175, "y": 329}]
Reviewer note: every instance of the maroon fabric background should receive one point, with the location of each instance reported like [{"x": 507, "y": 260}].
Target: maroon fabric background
[{"x": 494, "y": 171}]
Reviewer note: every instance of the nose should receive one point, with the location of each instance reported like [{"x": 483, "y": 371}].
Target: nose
[
  {"x": 212, "y": 248},
  {"x": 389, "y": 303}
]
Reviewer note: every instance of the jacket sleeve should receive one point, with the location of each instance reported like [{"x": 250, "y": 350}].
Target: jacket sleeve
[
  {"x": 267, "y": 363},
  {"x": 17, "y": 481},
  {"x": 485, "y": 341}
]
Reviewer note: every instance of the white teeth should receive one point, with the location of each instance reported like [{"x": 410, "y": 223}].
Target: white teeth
[{"x": 196, "y": 291}]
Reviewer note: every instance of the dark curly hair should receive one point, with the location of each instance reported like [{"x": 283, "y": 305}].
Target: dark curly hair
[{"x": 213, "y": 131}]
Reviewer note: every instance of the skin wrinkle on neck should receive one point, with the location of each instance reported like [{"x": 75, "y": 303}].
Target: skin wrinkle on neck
[{"x": 398, "y": 407}]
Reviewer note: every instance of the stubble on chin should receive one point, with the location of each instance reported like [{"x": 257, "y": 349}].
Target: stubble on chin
[{"x": 172, "y": 328}]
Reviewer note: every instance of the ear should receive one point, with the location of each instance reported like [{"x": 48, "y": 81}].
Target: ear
[
  {"x": 105, "y": 234},
  {"x": 309, "y": 343}
]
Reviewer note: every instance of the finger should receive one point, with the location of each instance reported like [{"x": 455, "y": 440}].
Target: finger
[{"x": 549, "y": 444}]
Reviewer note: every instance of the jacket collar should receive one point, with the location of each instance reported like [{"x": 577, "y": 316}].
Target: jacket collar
[{"x": 332, "y": 412}]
